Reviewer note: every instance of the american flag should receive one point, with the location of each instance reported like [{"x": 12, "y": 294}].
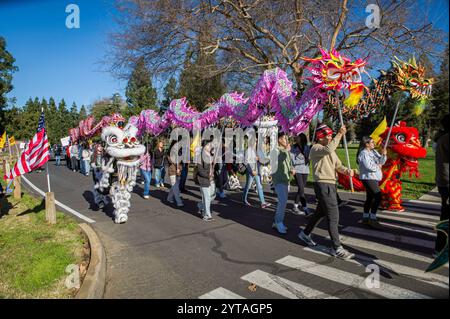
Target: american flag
[{"x": 35, "y": 154}]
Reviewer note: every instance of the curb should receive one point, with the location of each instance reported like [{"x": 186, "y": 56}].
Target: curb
[{"x": 93, "y": 286}]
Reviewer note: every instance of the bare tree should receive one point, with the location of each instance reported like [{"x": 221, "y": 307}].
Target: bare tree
[{"x": 249, "y": 36}]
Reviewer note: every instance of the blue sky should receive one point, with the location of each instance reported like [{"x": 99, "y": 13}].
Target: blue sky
[{"x": 65, "y": 63}]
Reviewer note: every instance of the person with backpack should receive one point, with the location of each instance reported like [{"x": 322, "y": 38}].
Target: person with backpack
[
  {"x": 300, "y": 162},
  {"x": 370, "y": 163}
]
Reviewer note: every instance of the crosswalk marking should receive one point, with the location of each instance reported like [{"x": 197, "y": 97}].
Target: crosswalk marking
[
  {"x": 384, "y": 249},
  {"x": 346, "y": 278},
  {"x": 409, "y": 220},
  {"x": 283, "y": 287},
  {"x": 419, "y": 230},
  {"x": 388, "y": 236},
  {"x": 220, "y": 293},
  {"x": 421, "y": 275},
  {"x": 387, "y": 213}
]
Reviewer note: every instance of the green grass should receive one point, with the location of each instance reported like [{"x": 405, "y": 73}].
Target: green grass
[
  {"x": 413, "y": 187},
  {"x": 34, "y": 254}
]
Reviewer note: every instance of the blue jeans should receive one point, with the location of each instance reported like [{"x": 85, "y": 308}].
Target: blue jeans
[
  {"x": 248, "y": 184},
  {"x": 160, "y": 173},
  {"x": 58, "y": 160},
  {"x": 82, "y": 167},
  {"x": 282, "y": 195},
  {"x": 86, "y": 166},
  {"x": 183, "y": 177},
  {"x": 208, "y": 195},
  {"x": 147, "y": 179}
]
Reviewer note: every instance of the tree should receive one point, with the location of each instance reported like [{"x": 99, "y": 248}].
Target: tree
[
  {"x": 7, "y": 68},
  {"x": 440, "y": 95},
  {"x": 140, "y": 92},
  {"x": 108, "y": 106},
  {"x": 83, "y": 113},
  {"x": 249, "y": 36},
  {"x": 199, "y": 90},
  {"x": 170, "y": 94},
  {"x": 52, "y": 121},
  {"x": 73, "y": 115}
]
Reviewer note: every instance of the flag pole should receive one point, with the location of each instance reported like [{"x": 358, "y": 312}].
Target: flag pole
[
  {"x": 345, "y": 139},
  {"x": 46, "y": 165}
]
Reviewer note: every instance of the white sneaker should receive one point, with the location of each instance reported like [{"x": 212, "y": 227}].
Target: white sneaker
[
  {"x": 146, "y": 196},
  {"x": 342, "y": 253},
  {"x": 170, "y": 201},
  {"x": 306, "y": 239},
  {"x": 280, "y": 228}
]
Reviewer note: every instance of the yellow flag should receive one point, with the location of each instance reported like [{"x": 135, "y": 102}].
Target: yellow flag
[
  {"x": 378, "y": 131},
  {"x": 12, "y": 141},
  {"x": 195, "y": 143},
  {"x": 3, "y": 140}
]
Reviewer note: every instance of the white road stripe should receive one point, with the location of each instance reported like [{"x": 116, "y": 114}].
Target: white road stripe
[
  {"x": 284, "y": 287},
  {"x": 385, "y": 249},
  {"x": 387, "y": 213},
  {"x": 422, "y": 202},
  {"x": 349, "y": 279},
  {"x": 70, "y": 210},
  {"x": 419, "y": 230},
  {"x": 220, "y": 293},
  {"x": 388, "y": 236},
  {"x": 420, "y": 275},
  {"x": 411, "y": 221}
]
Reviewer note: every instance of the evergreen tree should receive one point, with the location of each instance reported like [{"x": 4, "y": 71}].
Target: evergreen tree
[
  {"x": 83, "y": 113},
  {"x": 73, "y": 115},
  {"x": 51, "y": 117},
  {"x": 64, "y": 119},
  {"x": 140, "y": 93},
  {"x": 7, "y": 68},
  {"x": 198, "y": 89},
  {"x": 170, "y": 94}
]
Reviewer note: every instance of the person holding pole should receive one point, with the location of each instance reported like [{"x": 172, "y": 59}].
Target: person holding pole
[{"x": 325, "y": 164}]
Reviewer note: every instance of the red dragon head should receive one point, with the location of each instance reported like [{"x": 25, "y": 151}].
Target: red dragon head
[{"x": 405, "y": 143}]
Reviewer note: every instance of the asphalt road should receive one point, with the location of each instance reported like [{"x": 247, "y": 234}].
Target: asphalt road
[{"x": 165, "y": 252}]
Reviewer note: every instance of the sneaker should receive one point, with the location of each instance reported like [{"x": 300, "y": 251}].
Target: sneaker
[
  {"x": 247, "y": 204},
  {"x": 180, "y": 205},
  {"x": 146, "y": 196},
  {"x": 280, "y": 228},
  {"x": 221, "y": 195},
  {"x": 306, "y": 239},
  {"x": 374, "y": 224},
  {"x": 208, "y": 219},
  {"x": 266, "y": 205},
  {"x": 296, "y": 211},
  {"x": 170, "y": 201},
  {"x": 342, "y": 253},
  {"x": 307, "y": 211}
]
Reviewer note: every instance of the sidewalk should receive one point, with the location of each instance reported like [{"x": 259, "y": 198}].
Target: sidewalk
[{"x": 432, "y": 196}]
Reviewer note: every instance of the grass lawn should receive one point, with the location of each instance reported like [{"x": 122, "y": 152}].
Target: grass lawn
[
  {"x": 413, "y": 187},
  {"x": 34, "y": 254}
]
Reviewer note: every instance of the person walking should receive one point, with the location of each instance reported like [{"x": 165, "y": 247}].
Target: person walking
[
  {"x": 205, "y": 177},
  {"x": 300, "y": 161},
  {"x": 221, "y": 174},
  {"x": 174, "y": 176},
  {"x": 67, "y": 155},
  {"x": 98, "y": 164},
  {"x": 370, "y": 163},
  {"x": 86, "y": 159},
  {"x": 74, "y": 156},
  {"x": 146, "y": 170},
  {"x": 58, "y": 152},
  {"x": 159, "y": 160},
  {"x": 183, "y": 177},
  {"x": 325, "y": 163},
  {"x": 442, "y": 179},
  {"x": 253, "y": 174},
  {"x": 281, "y": 179}
]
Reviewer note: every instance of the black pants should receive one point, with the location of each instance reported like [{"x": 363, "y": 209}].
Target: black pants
[
  {"x": 301, "y": 180},
  {"x": 441, "y": 239},
  {"x": 373, "y": 198},
  {"x": 68, "y": 162},
  {"x": 328, "y": 208},
  {"x": 222, "y": 178}
]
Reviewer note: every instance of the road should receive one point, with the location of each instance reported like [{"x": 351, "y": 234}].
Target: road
[{"x": 165, "y": 252}]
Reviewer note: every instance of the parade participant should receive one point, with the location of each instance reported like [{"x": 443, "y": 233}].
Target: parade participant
[
  {"x": 146, "y": 171},
  {"x": 300, "y": 162},
  {"x": 221, "y": 174},
  {"x": 58, "y": 152},
  {"x": 159, "y": 159},
  {"x": 442, "y": 179},
  {"x": 325, "y": 164},
  {"x": 370, "y": 163},
  {"x": 74, "y": 156},
  {"x": 174, "y": 176},
  {"x": 253, "y": 174},
  {"x": 183, "y": 177},
  {"x": 205, "y": 177},
  {"x": 281, "y": 179},
  {"x": 99, "y": 160},
  {"x": 86, "y": 159}
]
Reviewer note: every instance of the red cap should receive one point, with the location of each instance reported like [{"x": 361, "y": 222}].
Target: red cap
[{"x": 323, "y": 131}]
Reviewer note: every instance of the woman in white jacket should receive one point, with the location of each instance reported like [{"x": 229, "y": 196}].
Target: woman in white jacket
[{"x": 370, "y": 163}]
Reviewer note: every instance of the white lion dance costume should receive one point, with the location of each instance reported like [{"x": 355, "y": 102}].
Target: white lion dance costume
[{"x": 125, "y": 149}]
